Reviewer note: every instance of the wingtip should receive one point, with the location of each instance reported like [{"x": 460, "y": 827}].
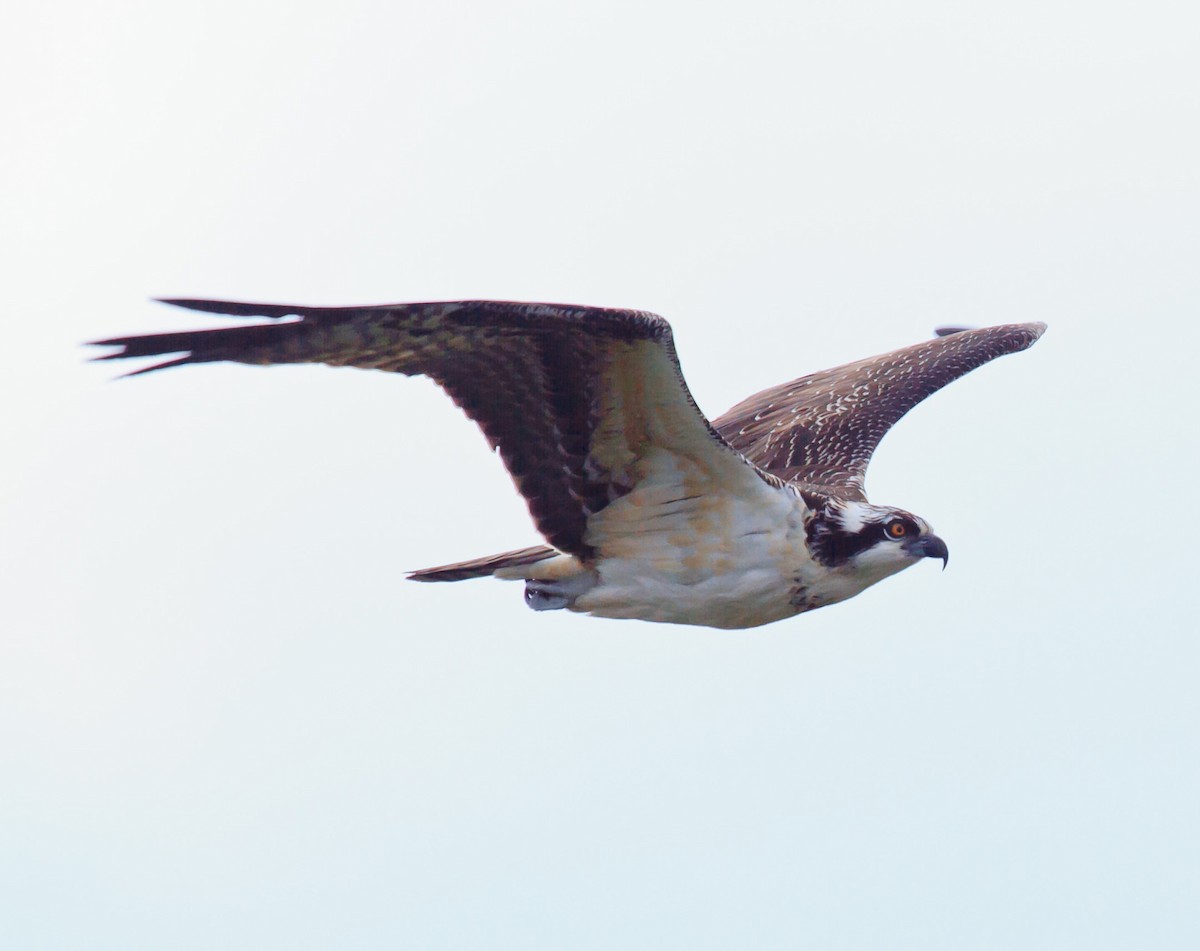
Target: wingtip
[
  {"x": 122, "y": 354},
  {"x": 1034, "y": 328},
  {"x": 178, "y": 361},
  {"x": 196, "y": 303},
  {"x": 234, "y": 308},
  {"x": 1033, "y": 331}
]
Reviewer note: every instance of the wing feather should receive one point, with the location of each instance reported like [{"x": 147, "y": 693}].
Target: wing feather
[
  {"x": 821, "y": 430},
  {"x": 576, "y": 399}
]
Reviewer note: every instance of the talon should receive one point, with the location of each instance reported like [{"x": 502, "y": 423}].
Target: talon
[{"x": 544, "y": 596}]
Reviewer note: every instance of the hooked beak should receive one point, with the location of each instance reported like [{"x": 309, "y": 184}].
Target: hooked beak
[{"x": 930, "y": 546}]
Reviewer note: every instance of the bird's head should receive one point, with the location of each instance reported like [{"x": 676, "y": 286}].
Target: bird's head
[{"x": 870, "y": 541}]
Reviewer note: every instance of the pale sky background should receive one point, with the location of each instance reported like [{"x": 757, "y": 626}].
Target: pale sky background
[{"x": 226, "y": 722}]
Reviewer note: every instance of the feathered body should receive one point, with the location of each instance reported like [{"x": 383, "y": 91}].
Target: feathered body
[{"x": 649, "y": 510}]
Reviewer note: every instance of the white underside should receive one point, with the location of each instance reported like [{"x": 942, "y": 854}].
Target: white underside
[
  {"x": 680, "y": 556},
  {"x": 741, "y": 599}
]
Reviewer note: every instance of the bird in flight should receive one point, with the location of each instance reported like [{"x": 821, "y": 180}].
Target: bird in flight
[{"x": 649, "y": 509}]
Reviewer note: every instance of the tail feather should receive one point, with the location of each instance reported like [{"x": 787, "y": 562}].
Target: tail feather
[{"x": 484, "y": 567}]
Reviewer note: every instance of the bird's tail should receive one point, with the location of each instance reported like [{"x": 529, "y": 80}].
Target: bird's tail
[{"x": 485, "y": 567}]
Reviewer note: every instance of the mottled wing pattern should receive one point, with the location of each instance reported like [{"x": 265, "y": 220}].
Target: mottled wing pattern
[
  {"x": 822, "y": 429},
  {"x": 574, "y": 398}
]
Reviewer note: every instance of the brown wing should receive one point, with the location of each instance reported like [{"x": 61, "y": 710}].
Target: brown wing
[
  {"x": 577, "y": 399},
  {"x": 821, "y": 429}
]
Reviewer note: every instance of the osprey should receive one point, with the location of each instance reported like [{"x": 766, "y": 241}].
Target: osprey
[{"x": 650, "y": 510}]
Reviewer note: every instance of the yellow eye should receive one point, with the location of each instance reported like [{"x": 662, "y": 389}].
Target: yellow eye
[{"x": 897, "y": 529}]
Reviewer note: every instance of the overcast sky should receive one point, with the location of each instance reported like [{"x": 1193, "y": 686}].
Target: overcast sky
[{"x": 227, "y": 722}]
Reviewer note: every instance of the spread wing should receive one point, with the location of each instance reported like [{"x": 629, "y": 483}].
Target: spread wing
[
  {"x": 822, "y": 429},
  {"x": 583, "y": 403}
]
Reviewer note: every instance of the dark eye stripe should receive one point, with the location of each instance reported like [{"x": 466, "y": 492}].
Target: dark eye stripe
[{"x": 832, "y": 546}]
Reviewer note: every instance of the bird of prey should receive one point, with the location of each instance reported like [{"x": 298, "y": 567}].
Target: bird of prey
[{"x": 649, "y": 509}]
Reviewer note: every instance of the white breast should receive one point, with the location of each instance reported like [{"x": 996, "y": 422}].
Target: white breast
[{"x": 680, "y": 550}]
